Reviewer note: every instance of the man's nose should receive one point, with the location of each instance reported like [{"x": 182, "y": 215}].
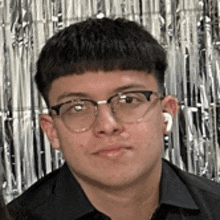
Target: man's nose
[{"x": 106, "y": 123}]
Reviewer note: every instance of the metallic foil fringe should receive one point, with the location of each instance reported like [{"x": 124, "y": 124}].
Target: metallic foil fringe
[{"x": 189, "y": 30}]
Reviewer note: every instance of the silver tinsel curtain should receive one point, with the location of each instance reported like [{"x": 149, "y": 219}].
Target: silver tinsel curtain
[{"x": 188, "y": 29}]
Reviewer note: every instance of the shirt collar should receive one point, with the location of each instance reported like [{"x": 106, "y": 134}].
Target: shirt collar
[
  {"x": 173, "y": 191},
  {"x": 71, "y": 196}
]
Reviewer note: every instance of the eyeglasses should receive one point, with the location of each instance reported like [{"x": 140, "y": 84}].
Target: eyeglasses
[{"x": 79, "y": 114}]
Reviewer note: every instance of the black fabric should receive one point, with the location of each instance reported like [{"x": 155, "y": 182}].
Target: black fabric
[
  {"x": 4, "y": 215},
  {"x": 58, "y": 196}
]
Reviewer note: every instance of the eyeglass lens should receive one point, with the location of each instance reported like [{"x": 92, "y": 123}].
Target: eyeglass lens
[{"x": 80, "y": 115}]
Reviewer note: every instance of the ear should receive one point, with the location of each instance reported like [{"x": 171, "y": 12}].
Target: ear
[
  {"x": 47, "y": 125},
  {"x": 170, "y": 108}
]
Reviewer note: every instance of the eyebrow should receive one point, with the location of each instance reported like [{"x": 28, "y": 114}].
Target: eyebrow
[
  {"x": 85, "y": 95},
  {"x": 72, "y": 94},
  {"x": 129, "y": 86}
]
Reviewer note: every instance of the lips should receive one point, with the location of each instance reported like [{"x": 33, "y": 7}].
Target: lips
[{"x": 112, "y": 152}]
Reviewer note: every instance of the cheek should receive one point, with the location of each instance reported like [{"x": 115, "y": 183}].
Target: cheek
[
  {"x": 72, "y": 144},
  {"x": 148, "y": 133},
  {"x": 75, "y": 153},
  {"x": 152, "y": 124}
]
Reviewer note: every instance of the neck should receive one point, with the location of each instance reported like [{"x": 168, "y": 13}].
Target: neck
[{"x": 136, "y": 201}]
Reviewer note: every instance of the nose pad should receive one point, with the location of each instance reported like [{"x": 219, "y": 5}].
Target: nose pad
[{"x": 106, "y": 123}]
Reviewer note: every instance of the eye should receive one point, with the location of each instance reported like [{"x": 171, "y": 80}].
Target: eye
[
  {"x": 75, "y": 108},
  {"x": 127, "y": 99},
  {"x": 131, "y": 98}
]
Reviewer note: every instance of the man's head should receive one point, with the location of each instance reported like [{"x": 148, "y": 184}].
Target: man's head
[
  {"x": 100, "y": 44},
  {"x": 103, "y": 81}
]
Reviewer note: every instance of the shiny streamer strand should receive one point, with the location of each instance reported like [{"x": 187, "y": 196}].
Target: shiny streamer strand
[{"x": 189, "y": 31}]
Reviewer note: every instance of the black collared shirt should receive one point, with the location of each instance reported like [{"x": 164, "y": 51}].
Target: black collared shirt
[{"x": 58, "y": 196}]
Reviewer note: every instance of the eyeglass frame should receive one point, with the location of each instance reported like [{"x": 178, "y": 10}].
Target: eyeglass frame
[{"x": 57, "y": 107}]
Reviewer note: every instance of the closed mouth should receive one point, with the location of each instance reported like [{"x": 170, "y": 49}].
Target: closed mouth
[{"x": 112, "y": 152}]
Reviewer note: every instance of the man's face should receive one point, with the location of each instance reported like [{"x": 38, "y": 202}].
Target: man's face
[{"x": 110, "y": 153}]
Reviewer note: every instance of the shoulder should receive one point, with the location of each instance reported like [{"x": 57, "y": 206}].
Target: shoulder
[
  {"x": 56, "y": 196},
  {"x": 204, "y": 192},
  {"x": 198, "y": 183},
  {"x": 37, "y": 195},
  {"x": 196, "y": 196}
]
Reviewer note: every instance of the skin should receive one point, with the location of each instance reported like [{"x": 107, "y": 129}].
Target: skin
[{"x": 123, "y": 181}]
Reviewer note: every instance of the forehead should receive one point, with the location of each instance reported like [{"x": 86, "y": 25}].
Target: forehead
[{"x": 100, "y": 85}]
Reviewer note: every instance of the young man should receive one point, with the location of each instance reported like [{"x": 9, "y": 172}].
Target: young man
[{"x": 103, "y": 82}]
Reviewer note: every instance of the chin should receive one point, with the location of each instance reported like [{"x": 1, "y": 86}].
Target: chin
[{"x": 113, "y": 181}]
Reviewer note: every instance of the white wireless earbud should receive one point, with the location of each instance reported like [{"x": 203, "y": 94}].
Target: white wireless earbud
[{"x": 169, "y": 120}]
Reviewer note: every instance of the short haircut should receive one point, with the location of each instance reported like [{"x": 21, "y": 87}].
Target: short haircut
[{"x": 100, "y": 44}]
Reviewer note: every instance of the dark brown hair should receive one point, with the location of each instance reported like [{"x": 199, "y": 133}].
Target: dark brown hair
[{"x": 99, "y": 44}]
